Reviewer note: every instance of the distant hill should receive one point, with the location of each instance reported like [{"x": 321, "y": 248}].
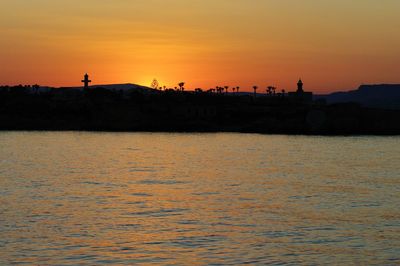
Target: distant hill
[
  {"x": 119, "y": 87},
  {"x": 379, "y": 96}
]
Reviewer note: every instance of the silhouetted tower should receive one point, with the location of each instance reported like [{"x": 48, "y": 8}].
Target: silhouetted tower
[
  {"x": 300, "y": 86},
  {"x": 86, "y": 81}
]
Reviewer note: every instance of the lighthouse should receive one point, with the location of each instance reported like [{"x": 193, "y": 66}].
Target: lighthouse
[
  {"x": 86, "y": 81},
  {"x": 300, "y": 95},
  {"x": 300, "y": 86}
]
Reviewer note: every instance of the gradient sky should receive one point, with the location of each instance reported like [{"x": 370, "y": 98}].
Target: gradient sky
[{"x": 332, "y": 44}]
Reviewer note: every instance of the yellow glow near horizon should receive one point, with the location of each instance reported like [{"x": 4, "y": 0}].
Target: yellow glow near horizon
[{"x": 332, "y": 45}]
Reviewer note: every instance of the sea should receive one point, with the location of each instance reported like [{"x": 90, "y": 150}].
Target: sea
[{"x": 85, "y": 198}]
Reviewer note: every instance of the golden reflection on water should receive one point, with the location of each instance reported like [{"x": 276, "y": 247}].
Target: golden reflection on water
[{"x": 126, "y": 198}]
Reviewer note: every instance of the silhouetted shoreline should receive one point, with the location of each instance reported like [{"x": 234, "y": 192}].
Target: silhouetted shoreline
[{"x": 98, "y": 109}]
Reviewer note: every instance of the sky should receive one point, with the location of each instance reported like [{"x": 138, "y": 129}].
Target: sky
[{"x": 331, "y": 44}]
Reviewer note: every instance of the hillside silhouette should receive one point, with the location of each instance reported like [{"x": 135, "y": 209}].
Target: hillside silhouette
[{"x": 386, "y": 96}]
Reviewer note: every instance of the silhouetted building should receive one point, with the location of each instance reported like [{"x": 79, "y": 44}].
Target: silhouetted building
[
  {"x": 300, "y": 95},
  {"x": 300, "y": 86},
  {"x": 86, "y": 81}
]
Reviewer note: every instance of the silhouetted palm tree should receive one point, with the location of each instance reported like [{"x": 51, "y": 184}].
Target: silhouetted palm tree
[
  {"x": 226, "y": 89},
  {"x": 237, "y": 89},
  {"x": 255, "y": 91},
  {"x": 181, "y": 84}
]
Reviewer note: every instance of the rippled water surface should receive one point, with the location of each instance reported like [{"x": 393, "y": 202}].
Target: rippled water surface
[{"x": 140, "y": 198}]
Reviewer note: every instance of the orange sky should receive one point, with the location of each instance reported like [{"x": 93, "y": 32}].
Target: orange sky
[{"x": 331, "y": 44}]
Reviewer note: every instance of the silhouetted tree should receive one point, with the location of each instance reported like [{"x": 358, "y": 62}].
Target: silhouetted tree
[
  {"x": 269, "y": 90},
  {"x": 255, "y": 91},
  {"x": 181, "y": 84},
  {"x": 226, "y": 89},
  {"x": 154, "y": 84}
]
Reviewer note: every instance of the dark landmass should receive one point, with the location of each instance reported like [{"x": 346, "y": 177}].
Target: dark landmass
[
  {"x": 385, "y": 96},
  {"x": 124, "y": 88},
  {"x": 143, "y": 109}
]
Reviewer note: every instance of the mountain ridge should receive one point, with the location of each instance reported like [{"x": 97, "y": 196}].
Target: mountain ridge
[{"x": 385, "y": 96}]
